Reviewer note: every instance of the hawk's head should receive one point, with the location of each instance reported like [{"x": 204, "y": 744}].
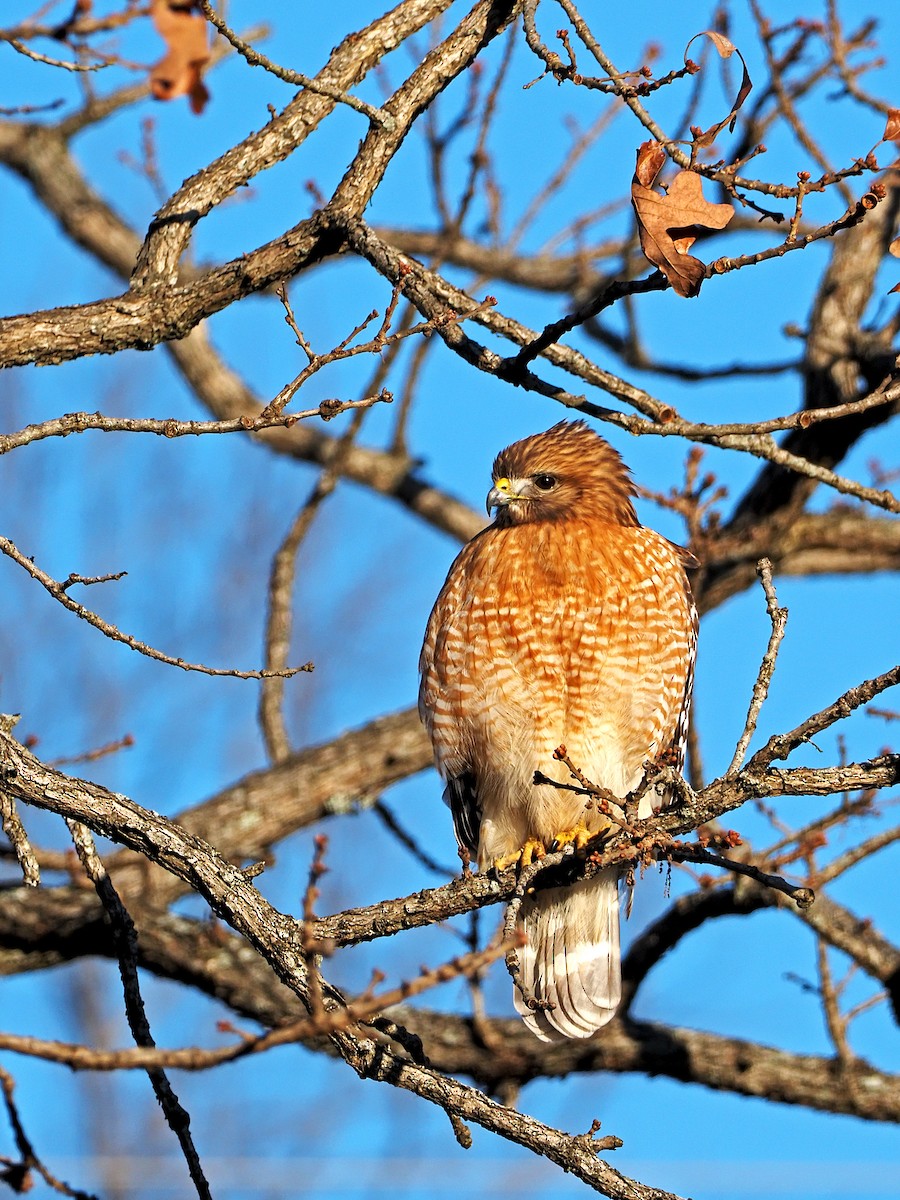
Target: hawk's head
[{"x": 567, "y": 473}]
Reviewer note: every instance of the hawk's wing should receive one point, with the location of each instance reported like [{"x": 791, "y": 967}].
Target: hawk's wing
[
  {"x": 460, "y": 794},
  {"x": 444, "y": 662}
]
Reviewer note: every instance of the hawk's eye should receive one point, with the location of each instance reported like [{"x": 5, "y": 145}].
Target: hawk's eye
[{"x": 545, "y": 483}]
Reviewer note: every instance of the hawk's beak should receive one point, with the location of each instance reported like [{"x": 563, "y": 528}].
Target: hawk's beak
[{"x": 500, "y": 494}]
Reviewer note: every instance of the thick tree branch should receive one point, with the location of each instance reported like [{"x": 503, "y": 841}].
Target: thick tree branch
[
  {"x": 501, "y": 1051},
  {"x": 349, "y": 63}
]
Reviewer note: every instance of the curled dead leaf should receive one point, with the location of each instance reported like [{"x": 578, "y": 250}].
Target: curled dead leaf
[
  {"x": 668, "y": 223},
  {"x": 892, "y": 126},
  {"x": 187, "y": 52},
  {"x": 724, "y": 45},
  {"x": 650, "y": 158},
  {"x": 725, "y": 48}
]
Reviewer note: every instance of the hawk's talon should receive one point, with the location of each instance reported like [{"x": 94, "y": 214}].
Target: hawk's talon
[
  {"x": 577, "y": 837},
  {"x": 531, "y": 852}
]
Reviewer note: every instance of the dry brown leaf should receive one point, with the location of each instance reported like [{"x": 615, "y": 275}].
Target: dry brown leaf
[
  {"x": 892, "y": 128},
  {"x": 726, "y": 48},
  {"x": 668, "y": 223},
  {"x": 187, "y": 41},
  {"x": 650, "y": 158},
  {"x": 894, "y": 248}
]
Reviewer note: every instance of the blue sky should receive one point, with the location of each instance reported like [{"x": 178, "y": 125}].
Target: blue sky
[{"x": 195, "y": 522}]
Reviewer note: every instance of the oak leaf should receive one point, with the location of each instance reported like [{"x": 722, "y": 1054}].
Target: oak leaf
[
  {"x": 187, "y": 53},
  {"x": 670, "y": 222}
]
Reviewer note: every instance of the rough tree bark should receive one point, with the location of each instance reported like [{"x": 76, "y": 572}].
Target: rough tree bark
[{"x": 571, "y": 324}]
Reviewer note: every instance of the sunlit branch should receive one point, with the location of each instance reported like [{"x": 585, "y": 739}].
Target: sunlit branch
[{"x": 170, "y": 427}]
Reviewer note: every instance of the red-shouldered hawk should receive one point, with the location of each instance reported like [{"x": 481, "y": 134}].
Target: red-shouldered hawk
[{"x": 564, "y": 622}]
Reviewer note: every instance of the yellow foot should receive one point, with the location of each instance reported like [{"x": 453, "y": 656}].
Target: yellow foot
[
  {"x": 530, "y": 852},
  {"x": 578, "y": 837}
]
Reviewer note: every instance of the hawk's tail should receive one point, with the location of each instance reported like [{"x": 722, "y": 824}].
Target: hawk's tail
[{"x": 571, "y": 958}]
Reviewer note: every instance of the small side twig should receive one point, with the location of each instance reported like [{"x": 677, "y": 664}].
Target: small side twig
[
  {"x": 834, "y": 1021},
  {"x": 780, "y": 745},
  {"x": 122, "y": 743},
  {"x": 62, "y": 64},
  {"x": 378, "y": 116},
  {"x": 58, "y": 591},
  {"x": 312, "y": 947},
  {"x": 390, "y": 822},
  {"x": 169, "y": 427},
  {"x": 512, "y": 937},
  {"x": 125, "y": 941},
  {"x": 283, "y": 574},
  {"x": 348, "y": 348},
  {"x": 778, "y": 617},
  {"x": 11, "y": 822},
  {"x": 803, "y": 897},
  {"x": 363, "y": 1010},
  {"x": 597, "y": 1144},
  {"x": 87, "y": 580},
  {"x": 278, "y": 624},
  {"x": 17, "y": 1175},
  {"x": 18, "y": 839}
]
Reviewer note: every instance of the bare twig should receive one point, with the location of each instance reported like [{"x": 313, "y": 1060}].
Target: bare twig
[
  {"x": 123, "y": 743},
  {"x": 382, "y": 340},
  {"x": 149, "y": 1057},
  {"x": 834, "y": 1021},
  {"x": 58, "y": 591},
  {"x": 11, "y": 822},
  {"x": 781, "y": 745},
  {"x": 63, "y": 64},
  {"x": 281, "y": 579},
  {"x": 431, "y": 294},
  {"x": 803, "y": 897},
  {"x": 18, "y": 839},
  {"x": 390, "y": 822},
  {"x": 856, "y": 854},
  {"x": 169, "y": 427},
  {"x": 778, "y": 617},
  {"x": 278, "y": 623},
  {"x": 17, "y": 1175},
  {"x": 125, "y": 941},
  {"x": 378, "y": 115}
]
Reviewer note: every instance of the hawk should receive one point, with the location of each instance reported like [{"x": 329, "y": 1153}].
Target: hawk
[{"x": 563, "y": 622}]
